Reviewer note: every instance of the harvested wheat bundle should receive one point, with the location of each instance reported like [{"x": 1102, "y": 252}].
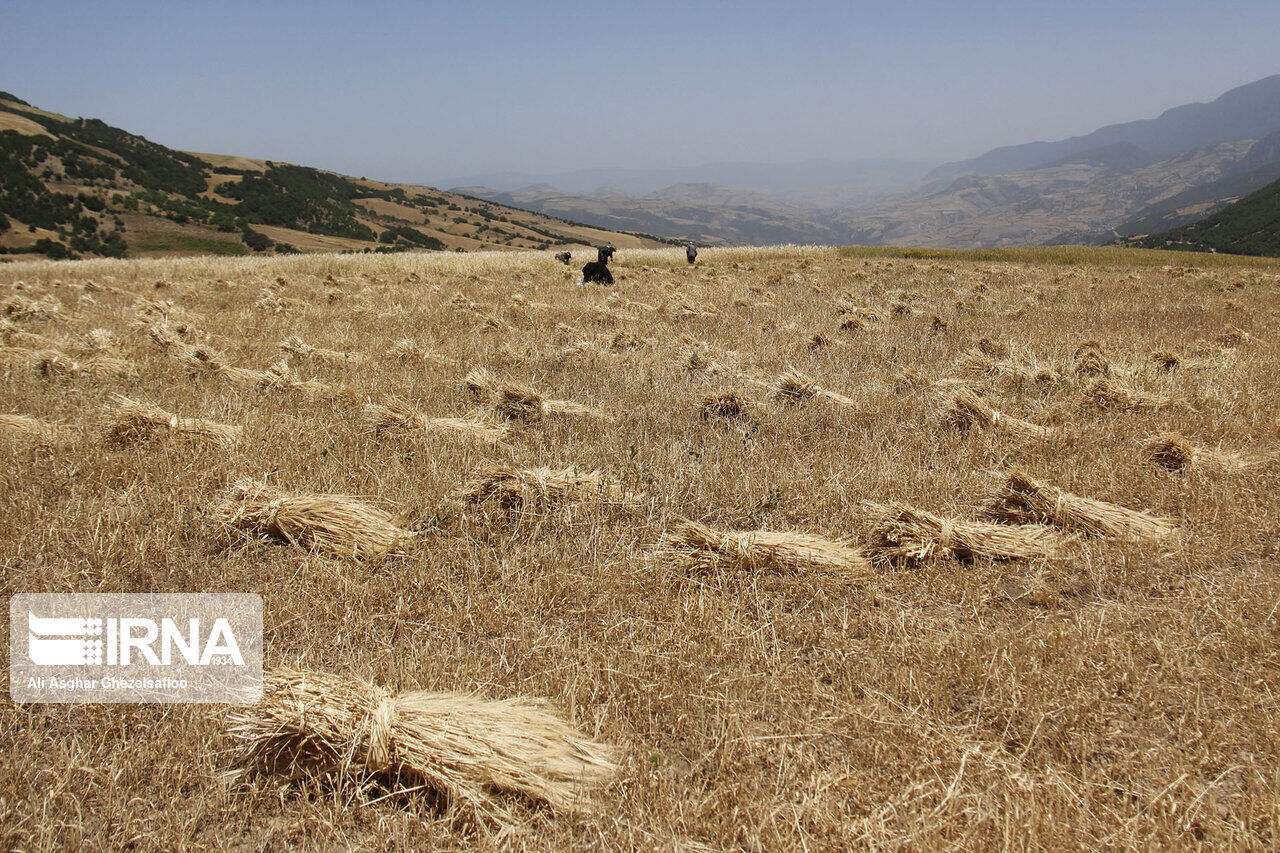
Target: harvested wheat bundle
[
  {"x": 521, "y": 403},
  {"x": 995, "y": 350},
  {"x": 1176, "y": 453},
  {"x": 698, "y": 547},
  {"x": 968, "y": 409},
  {"x": 12, "y": 336},
  {"x": 1112, "y": 395},
  {"x": 53, "y": 363},
  {"x": 853, "y": 323},
  {"x": 105, "y": 366},
  {"x": 1165, "y": 360},
  {"x": 134, "y": 421},
  {"x": 475, "y": 753},
  {"x": 482, "y": 384},
  {"x": 1022, "y": 500},
  {"x": 205, "y": 360},
  {"x": 297, "y": 346},
  {"x": 411, "y": 351},
  {"x": 397, "y": 415},
  {"x": 1233, "y": 337},
  {"x": 907, "y": 535},
  {"x": 541, "y": 489},
  {"x": 101, "y": 340},
  {"x": 22, "y": 427},
  {"x": 699, "y": 360},
  {"x": 165, "y": 337},
  {"x": 339, "y": 524},
  {"x": 723, "y": 404},
  {"x": 1092, "y": 363},
  {"x": 18, "y": 307},
  {"x": 794, "y": 387},
  {"x": 271, "y": 301}
]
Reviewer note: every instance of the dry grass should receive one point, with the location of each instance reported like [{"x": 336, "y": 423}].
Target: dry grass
[
  {"x": 477, "y": 754},
  {"x": 1023, "y": 500},
  {"x": 904, "y": 534},
  {"x": 1117, "y": 696},
  {"x": 339, "y": 524},
  {"x": 697, "y": 547}
]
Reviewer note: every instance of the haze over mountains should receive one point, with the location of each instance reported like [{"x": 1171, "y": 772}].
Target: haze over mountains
[{"x": 1120, "y": 180}]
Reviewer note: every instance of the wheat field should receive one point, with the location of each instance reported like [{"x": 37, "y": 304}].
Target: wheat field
[{"x": 1111, "y": 691}]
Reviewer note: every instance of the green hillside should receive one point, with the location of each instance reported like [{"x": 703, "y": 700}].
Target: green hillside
[
  {"x": 82, "y": 188},
  {"x": 1250, "y": 226}
]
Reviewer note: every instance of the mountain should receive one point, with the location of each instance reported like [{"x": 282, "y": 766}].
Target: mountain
[
  {"x": 709, "y": 213},
  {"x": 1250, "y": 226},
  {"x": 814, "y": 182},
  {"x": 1083, "y": 198},
  {"x": 79, "y": 187},
  {"x": 1251, "y": 111}
]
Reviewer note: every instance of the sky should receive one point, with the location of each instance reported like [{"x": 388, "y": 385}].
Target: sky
[{"x": 425, "y": 91}]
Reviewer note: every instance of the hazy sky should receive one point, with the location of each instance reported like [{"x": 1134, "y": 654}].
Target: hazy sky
[{"x": 427, "y": 91}]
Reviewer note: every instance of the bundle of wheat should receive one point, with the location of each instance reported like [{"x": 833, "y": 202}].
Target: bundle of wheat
[
  {"x": 1233, "y": 337},
  {"x": 1092, "y": 363},
  {"x": 539, "y": 489},
  {"x": 133, "y": 421},
  {"x": 24, "y": 428},
  {"x": 472, "y": 752},
  {"x": 1176, "y": 453},
  {"x": 906, "y": 535},
  {"x": 481, "y": 384},
  {"x": 12, "y": 336},
  {"x": 1165, "y": 360},
  {"x": 339, "y": 524},
  {"x": 1022, "y": 500},
  {"x": 101, "y": 340},
  {"x": 723, "y": 404},
  {"x": 991, "y": 348},
  {"x": 853, "y": 323},
  {"x": 106, "y": 366},
  {"x": 967, "y": 409},
  {"x": 297, "y": 346},
  {"x": 51, "y": 363},
  {"x": 208, "y": 361},
  {"x": 699, "y": 360},
  {"x": 397, "y": 415},
  {"x": 19, "y": 307},
  {"x": 407, "y": 350},
  {"x": 697, "y": 547},
  {"x": 794, "y": 387},
  {"x": 521, "y": 403},
  {"x": 978, "y": 364},
  {"x": 1112, "y": 395}
]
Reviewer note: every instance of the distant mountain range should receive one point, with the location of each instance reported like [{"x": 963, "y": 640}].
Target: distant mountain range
[
  {"x": 817, "y": 182},
  {"x": 1120, "y": 180},
  {"x": 1246, "y": 112}
]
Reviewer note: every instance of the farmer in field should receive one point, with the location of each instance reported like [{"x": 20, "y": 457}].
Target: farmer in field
[{"x": 691, "y": 251}]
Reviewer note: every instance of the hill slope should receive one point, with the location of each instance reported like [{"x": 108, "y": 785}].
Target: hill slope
[
  {"x": 1250, "y": 226},
  {"x": 80, "y": 187},
  {"x": 1245, "y": 112}
]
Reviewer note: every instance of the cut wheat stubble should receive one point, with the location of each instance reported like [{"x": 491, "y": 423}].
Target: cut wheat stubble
[
  {"x": 1023, "y": 500},
  {"x": 339, "y": 524},
  {"x": 482, "y": 757}
]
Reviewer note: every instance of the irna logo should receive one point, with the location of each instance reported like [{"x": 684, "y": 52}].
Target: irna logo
[{"x": 61, "y": 641}]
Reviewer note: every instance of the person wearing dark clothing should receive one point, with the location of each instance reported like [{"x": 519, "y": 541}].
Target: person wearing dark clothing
[{"x": 691, "y": 251}]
